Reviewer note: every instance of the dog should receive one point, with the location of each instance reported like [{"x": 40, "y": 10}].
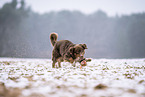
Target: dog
[{"x": 65, "y": 50}]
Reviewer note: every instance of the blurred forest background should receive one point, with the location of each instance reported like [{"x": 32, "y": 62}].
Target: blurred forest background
[{"x": 24, "y": 33}]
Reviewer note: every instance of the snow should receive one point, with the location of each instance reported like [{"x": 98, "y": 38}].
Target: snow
[{"x": 120, "y": 77}]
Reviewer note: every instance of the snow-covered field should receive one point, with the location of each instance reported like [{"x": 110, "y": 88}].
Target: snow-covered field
[{"x": 100, "y": 78}]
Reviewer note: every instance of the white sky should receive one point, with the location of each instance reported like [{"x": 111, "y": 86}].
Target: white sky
[{"x": 111, "y": 7}]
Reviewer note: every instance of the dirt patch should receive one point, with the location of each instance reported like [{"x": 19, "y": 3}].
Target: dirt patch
[{"x": 100, "y": 86}]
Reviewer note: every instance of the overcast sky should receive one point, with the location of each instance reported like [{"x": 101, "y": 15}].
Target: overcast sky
[{"x": 111, "y": 7}]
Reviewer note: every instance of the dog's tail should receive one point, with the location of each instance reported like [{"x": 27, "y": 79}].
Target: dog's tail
[{"x": 53, "y": 38}]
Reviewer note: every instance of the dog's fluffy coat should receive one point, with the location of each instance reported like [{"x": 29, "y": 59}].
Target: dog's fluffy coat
[{"x": 65, "y": 50}]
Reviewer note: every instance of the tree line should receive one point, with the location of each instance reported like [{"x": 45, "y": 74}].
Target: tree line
[{"x": 24, "y": 33}]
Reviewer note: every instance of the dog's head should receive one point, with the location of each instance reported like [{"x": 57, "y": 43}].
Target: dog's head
[{"x": 78, "y": 50}]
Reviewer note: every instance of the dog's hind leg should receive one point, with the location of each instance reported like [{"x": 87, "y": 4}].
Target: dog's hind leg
[
  {"x": 53, "y": 64},
  {"x": 59, "y": 60},
  {"x": 59, "y": 64},
  {"x": 55, "y": 56}
]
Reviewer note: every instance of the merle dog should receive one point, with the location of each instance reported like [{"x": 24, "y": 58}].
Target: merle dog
[{"x": 65, "y": 50}]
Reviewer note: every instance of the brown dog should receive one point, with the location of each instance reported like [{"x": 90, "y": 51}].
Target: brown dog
[{"x": 65, "y": 50}]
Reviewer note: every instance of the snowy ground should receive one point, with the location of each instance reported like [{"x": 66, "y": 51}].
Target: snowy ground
[{"x": 101, "y": 77}]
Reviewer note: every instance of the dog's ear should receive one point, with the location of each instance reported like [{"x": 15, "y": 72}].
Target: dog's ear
[
  {"x": 84, "y": 46},
  {"x": 72, "y": 49}
]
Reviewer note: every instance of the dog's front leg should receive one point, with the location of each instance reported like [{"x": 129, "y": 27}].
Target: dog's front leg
[
  {"x": 59, "y": 64},
  {"x": 74, "y": 64}
]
